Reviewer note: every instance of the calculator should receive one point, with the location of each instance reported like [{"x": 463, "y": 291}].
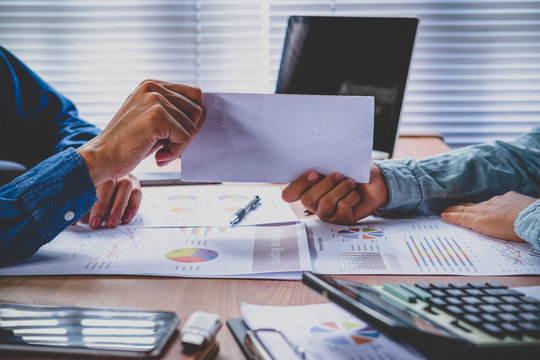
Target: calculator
[{"x": 443, "y": 320}]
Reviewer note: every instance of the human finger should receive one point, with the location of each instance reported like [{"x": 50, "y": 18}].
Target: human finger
[
  {"x": 133, "y": 205},
  {"x": 184, "y": 97},
  {"x": 459, "y": 208},
  {"x": 294, "y": 190},
  {"x": 120, "y": 201},
  {"x": 465, "y": 219},
  {"x": 310, "y": 198},
  {"x": 100, "y": 210},
  {"x": 327, "y": 205},
  {"x": 345, "y": 213}
]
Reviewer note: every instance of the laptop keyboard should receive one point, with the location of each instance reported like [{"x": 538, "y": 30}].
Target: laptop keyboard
[{"x": 490, "y": 307}]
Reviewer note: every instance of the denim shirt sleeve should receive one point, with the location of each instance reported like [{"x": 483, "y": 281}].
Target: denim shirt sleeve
[
  {"x": 42, "y": 202},
  {"x": 34, "y": 111},
  {"x": 470, "y": 174},
  {"x": 527, "y": 226}
]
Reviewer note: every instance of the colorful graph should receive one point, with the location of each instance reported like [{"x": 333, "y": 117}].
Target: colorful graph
[
  {"x": 369, "y": 233},
  {"x": 510, "y": 253},
  {"x": 352, "y": 233},
  {"x": 232, "y": 197},
  {"x": 439, "y": 252},
  {"x": 182, "y": 197},
  {"x": 182, "y": 210},
  {"x": 344, "y": 333},
  {"x": 191, "y": 255}
]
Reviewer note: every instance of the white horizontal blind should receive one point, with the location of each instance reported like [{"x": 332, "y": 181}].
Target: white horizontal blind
[
  {"x": 96, "y": 52},
  {"x": 475, "y": 73}
]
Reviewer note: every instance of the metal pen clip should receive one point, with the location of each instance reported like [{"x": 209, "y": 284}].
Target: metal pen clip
[{"x": 240, "y": 213}]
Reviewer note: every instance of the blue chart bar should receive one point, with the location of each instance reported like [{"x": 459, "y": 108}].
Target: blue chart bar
[{"x": 439, "y": 254}]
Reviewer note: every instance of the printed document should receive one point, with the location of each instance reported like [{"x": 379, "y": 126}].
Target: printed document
[
  {"x": 324, "y": 331},
  {"x": 188, "y": 251},
  {"x": 421, "y": 245},
  {"x": 209, "y": 205},
  {"x": 277, "y": 137}
]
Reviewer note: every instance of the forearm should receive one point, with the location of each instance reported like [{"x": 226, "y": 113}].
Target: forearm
[
  {"x": 470, "y": 174},
  {"x": 527, "y": 226},
  {"x": 39, "y": 204}
]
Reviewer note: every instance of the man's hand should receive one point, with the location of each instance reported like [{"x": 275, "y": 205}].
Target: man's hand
[
  {"x": 156, "y": 116},
  {"x": 119, "y": 200},
  {"x": 494, "y": 217},
  {"x": 337, "y": 199}
]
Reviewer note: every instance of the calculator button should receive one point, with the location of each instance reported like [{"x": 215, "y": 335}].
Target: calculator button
[
  {"x": 530, "y": 329},
  {"x": 530, "y": 300},
  {"x": 471, "y": 309},
  {"x": 458, "y": 285},
  {"x": 502, "y": 292},
  {"x": 455, "y": 292},
  {"x": 489, "y": 308},
  {"x": 493, "y": 329},
  {"x": 472, "y": 319},
  {"x": 438, "y": 293},
  {"x": 529, "y": 317},
  {"x": 437, "y": 302},
  {"x": 421, "y": 294},
  {"x": 475, "y": 292},
  {"x": 510, "y": 308},
  {"x": 508, "y": 317},
  {"x": 496, "y": 285},
  {"x": 454, "y": 300},
  {"x": 400, "y": 293},
  {"x": 491, "y": 300},
  {"x": 422, "y": 286},
  {"x": 439, "y": 285},
  {"x": 512, "y": 299},
  {"x": 477, "y": 285},
  {"x": 454, "y": 310},
  {"x": 529, "y": 307},
  {"x": 471, "y": 300},
  {"x": 511, "y": 330},
  {"x": 490, "y": 318}
]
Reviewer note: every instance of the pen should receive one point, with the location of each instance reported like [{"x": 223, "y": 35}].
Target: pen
[{"x": 240, "y": 213}]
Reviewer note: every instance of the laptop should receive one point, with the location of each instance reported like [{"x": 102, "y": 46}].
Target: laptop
[{"x": 351, "y": 56}]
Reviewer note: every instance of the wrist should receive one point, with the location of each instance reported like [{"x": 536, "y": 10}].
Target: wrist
[{"x": 94, "y": 163}]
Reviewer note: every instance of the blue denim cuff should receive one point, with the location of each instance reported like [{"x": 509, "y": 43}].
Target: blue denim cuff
[
  {"x": 404, "y": 191},
  {"x": 57, "y": 192},
  {"x": 527, "y": 226}
]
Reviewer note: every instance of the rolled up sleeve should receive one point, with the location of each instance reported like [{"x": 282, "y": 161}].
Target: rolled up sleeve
[{"x": 527, "y": 226}]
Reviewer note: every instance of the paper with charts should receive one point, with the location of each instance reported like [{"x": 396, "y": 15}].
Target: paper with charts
[
  {"x": 209, "y": 205},
  {"x": 421, "y": 245},
  {"x": 188, "y": 251},
  {"x": 324, "y": 331}
]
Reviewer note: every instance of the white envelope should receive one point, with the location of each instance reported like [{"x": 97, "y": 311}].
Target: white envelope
[{"x": 277, "y": 137}]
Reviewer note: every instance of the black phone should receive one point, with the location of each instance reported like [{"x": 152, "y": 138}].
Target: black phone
[{"x": 95, "y": 332}]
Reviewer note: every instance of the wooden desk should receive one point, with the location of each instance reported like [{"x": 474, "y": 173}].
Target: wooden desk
[{"x": 220, "y": 296}]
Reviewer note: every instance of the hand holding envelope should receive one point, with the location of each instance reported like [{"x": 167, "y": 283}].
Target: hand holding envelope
[{"x": 276, "y": 137}]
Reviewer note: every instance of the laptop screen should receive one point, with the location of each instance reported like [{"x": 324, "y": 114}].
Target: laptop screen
[{"x": 351, "y": 56}]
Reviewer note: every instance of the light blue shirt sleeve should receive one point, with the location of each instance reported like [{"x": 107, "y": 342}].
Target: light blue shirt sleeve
[{"x": 470, "y": 174}]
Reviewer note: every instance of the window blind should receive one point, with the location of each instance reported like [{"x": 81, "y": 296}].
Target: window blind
[
  {"x": 475, "y": 73},
  {"x": 96, "y": 52}
]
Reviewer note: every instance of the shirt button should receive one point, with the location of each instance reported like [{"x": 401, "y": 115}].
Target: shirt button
[{"x": 69, "y": 215}]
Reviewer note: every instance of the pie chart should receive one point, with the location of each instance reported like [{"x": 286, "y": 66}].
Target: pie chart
[
  {"x": 344, "y": 333},
  {"x": 191, "y": 255}
]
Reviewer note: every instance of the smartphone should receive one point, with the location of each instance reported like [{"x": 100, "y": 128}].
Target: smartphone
[{"x": 96, "y": 332}]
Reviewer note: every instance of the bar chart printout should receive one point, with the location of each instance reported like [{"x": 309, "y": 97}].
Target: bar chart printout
[{"x": 422, "y": 245}]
